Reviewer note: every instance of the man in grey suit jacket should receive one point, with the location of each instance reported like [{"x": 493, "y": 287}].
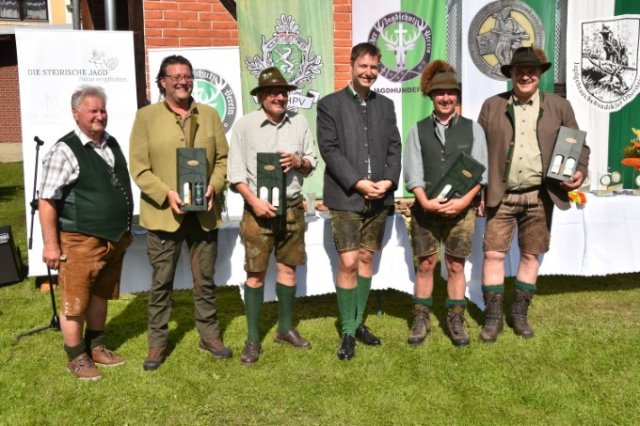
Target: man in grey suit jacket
[{"x": 360, "y": 144}]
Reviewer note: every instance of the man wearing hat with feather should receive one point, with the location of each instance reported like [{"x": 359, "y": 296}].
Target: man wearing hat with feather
[
  {"x": 433, "y": 146},
  {"x": 521, "y": 127}
]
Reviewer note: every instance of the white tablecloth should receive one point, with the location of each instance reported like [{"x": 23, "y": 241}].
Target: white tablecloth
[
  {"x": 598, "y": 238},
  {"x": 393, "y": 267}
]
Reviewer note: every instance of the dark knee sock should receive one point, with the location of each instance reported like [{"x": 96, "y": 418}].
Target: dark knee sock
[
  {"x": 93, "y": 338},
  {"x": 456, "y": 302},
  {"x": 74, "y": 352},
  {"x": 364, "y": 286},
  {"x": 493, "y": 288},
  {"x": 253, "y": 298},
  {"x": 347, "y": 308},
  {"x": 286, "y": 295},
  {"x": 531, "y": 288},
  {"x": 426, "y": 301}
]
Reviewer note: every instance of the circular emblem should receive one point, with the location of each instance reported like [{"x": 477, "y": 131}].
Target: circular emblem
[
  {"x": 605, "y": 180},
  {"x": 467, "y": 174},
  {"x": 497, "y": 30},
  {"x": 269, "y": 167},
  {"x": 193, "y": 162},
  {"x": 637, "y": 180},
  {"x": 211, "y": 89},
  {"x": 616, "y": 177},
  {"x": 571, "y": 140},
  {"x": 405, "y": 42}
]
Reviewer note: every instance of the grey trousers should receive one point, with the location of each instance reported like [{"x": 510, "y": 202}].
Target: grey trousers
[{"x": 163, "y": 249}]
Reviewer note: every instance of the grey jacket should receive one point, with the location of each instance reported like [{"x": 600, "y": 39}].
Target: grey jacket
[{"x": 341, "y": 141}]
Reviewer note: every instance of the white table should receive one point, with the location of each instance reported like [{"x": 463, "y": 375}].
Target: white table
[
  {"x": 598, "y": 238},
  {"x": 393, "y": 267}
]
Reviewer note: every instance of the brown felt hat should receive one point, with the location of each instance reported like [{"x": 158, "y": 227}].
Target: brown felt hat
[
  {"x": 524, "y": 57},
  {"x": 271, "y": 77}
]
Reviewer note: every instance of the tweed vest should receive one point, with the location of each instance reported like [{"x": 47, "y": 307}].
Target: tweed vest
[
  {"x": 100, "y": 202},
  {"x": 438, "y": 158}
]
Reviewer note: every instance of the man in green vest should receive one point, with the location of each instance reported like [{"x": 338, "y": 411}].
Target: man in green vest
[
  {"x": 85, "y": 211},
  {"x": 433, "y": 146}
]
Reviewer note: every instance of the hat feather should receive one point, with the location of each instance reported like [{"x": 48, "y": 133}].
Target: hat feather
[{"x": 430, "y": 71}]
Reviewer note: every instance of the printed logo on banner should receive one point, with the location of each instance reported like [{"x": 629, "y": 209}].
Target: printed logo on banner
[
  {"x": 497, "y": 30},
  {"x": 607, "y": 74},
  {"x": 408, "y": 38},
  {"x": 101, "y": 67},
  {"x": 293, "y": 56},
  {"x": 211, "y": 89}
]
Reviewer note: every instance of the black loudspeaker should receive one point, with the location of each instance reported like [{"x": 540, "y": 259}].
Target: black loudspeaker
[{"x": 11, "y": 269}]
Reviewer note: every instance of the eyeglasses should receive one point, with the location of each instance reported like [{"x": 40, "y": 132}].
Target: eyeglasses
[
  {"x": 276, "y": 91},
  {"x": 179, "y": 77}
]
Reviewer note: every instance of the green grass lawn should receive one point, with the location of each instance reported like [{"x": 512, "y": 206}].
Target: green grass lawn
[{"x": 582, "y": 367}]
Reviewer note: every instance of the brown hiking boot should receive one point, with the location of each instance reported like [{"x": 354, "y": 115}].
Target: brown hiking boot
[
  {"x": 421, "y": 325},
  {"x": 215, "y": 346},
  {"x": 105, "y": 357},
  {"x": 492, "y": 316},
  {"x": 84, "y": 368},
  {"x": 155, "y": 357},
  {"x": 519, "y": 310},
  {"x": 455, "y": 325}
]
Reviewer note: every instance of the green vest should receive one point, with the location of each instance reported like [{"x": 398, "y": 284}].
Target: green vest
[
  {"x": 100, "y": 202},
  {"x": 436, "y": 158}
]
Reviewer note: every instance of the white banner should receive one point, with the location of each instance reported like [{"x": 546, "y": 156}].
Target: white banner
[
  {"x": 590, "y": 118},
  {"x": 216, "y": 83},
  {"x": 476, "y": 85},
  {"x": 51, "y": 65}
]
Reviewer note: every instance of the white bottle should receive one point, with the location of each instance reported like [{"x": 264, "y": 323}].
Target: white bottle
[
  {"x": 263, "y": 193},
  {"x": 186, "y": 193},
  {"x": 445, "y": 191},
  {"x": 569, "y": 167},
  {"x": 557, "y": 162}
]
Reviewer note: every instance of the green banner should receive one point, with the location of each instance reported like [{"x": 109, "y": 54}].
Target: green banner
[
  {"x": 621, "y": 122},
  {"x": 415, "y": 107},
  {"x": 546, "y": 11},
  {"x": 297, "y": 37},
  {"x": 409, "y": 34}
]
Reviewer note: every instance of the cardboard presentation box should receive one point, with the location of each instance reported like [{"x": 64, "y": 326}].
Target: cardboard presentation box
[
  {"x": 272, "y": 181},
  {"x": 566, "y": 153},
  {"x": 192, "y": 178}
]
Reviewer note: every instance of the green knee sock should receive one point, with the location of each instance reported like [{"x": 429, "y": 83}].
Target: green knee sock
[
  {"x": 494, "y": 288},
  {"x": 285, "y": 294},
  {"x": 426, "y": 301},
  {"x": 364, "y": 286},
  {"x": 531, "y": 288},
  {"x": 93, "y": 338},
  {"x": 253, "y": 298},
  {"x": 453, "y": 302},
  {"x": 347, "y": 308}
]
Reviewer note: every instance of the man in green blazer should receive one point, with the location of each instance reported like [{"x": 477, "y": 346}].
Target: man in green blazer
[{"x": 158, "y": 131}]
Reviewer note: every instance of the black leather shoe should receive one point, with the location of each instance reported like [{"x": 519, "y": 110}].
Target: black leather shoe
[
  {"x": 347, "y": 348},
  {"x": 365, "y": 336}
]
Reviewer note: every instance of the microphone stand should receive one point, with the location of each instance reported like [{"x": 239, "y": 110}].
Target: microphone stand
[{"x": 55, "y": 321}]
